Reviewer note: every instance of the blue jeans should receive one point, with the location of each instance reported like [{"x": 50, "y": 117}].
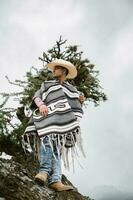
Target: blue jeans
[{"x": 48, "y": 162}]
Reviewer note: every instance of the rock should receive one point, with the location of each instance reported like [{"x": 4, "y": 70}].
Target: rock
[{"x": 17, "y": 183}]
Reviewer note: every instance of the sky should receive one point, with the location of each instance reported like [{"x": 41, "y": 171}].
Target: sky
[{"x": 104, "y": 31}]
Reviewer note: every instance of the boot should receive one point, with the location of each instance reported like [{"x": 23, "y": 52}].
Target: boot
[
  {"x": 41, "y": 177},
  {"x": 58, "y": 186}
]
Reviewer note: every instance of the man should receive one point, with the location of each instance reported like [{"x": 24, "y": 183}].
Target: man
[{"x": 56, "y": 120}]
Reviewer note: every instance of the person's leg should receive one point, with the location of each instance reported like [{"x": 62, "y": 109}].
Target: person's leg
[
  {"x": 54, "y": 180},
  {"x": 50, "y": 166},
  {"x": 45, "y": 156},
  {"x": 56, "y": 172},
  {"x": 45, "y": 160}
]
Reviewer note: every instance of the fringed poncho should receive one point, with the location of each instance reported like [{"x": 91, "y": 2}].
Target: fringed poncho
[{"x": 62, "y": 121}]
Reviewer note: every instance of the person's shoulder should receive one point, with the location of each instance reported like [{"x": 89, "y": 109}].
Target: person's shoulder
[
  {"x": 69, "y": 84},
  {"x": 50, "y": 81},
  {"x": 47, "y": 82},
  {"x": 71, "y": 87}
]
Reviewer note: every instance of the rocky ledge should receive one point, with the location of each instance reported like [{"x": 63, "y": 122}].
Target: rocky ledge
[{"x": 17, "y": 183}]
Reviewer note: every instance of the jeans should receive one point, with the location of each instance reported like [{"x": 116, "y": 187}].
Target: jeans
[{"x": 49, "y": 163}]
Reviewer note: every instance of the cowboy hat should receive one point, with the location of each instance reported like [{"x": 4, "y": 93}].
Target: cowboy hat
[{"x": 72, "y": 71}]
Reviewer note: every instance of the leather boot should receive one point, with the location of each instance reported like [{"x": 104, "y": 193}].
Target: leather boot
[
  {"x": 41, "y": 177},
  {"x": 58, "y": 186}
]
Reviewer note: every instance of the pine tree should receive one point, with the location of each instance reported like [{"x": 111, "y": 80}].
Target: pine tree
[{"x": 86, "y": 81}]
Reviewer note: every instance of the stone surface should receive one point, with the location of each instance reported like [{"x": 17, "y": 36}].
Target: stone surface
[{"x": 17, "y": 183}]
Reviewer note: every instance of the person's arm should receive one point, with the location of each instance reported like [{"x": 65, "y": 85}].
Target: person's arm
[
  {"x": 42, "y": 107},
  {"x": 38, "y": 101},
  {"x": 37, "y": 98},
  {"x": 81, "y": 97}
]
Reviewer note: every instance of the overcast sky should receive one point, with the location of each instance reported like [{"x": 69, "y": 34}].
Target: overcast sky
[{"x": 104, "y": 31}]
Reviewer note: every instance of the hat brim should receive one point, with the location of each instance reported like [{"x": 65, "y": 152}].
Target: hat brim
[{"x": 72, "y": 71}]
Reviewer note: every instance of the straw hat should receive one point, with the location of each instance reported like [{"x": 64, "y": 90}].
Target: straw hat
[{"x": 72, "y": 71}]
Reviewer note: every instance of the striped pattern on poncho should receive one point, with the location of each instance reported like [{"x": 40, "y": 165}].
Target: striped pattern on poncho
[{"x": 64, "y": 109}]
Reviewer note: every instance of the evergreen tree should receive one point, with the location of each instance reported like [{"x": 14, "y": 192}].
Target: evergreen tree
[{"x": 86, "y": 81}]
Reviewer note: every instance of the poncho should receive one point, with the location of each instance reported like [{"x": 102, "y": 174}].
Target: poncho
[{"x": 62, "y": 121}]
